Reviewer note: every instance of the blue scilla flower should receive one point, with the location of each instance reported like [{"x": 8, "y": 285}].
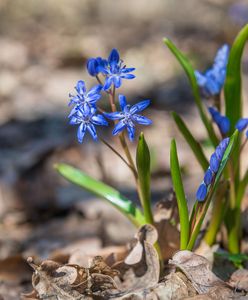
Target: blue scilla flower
[
  {"x": 212, "y": 81},
  {"x": 222, "y": 121},
  {"x": 83, "y": 97},
  {"x": 242, "y": 124},
  {"x": 128, "y": 116},
  {"x": 113, "y": 69},
  {"x": 209, "y": 175},
  {"x": 86, "y": 117}
]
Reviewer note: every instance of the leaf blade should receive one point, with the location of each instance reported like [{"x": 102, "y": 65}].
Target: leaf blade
[
  {"x": 101, "y": 189},
  {"x": 180, "y": 195},
  {"x": 192, "y": 79}
]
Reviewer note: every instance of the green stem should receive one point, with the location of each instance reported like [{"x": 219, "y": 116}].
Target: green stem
[
  {"x": 234, "y": 233},
  {"x": 217, "y": 216}
]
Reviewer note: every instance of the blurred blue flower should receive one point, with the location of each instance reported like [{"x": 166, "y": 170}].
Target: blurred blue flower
[
  {"x": 222, "y": 121},
  {"x": 201, "y": 192},
  {"x": 242, "y": 124},
  {"x": 86, "y": 117},
  {"x": 83, "y": 97},
  {"x": 212, "y": 81},
  {"x": 208, "y": 177},
  {"x": 128, "y": 116},
  {"x": 113, "y": 69}
]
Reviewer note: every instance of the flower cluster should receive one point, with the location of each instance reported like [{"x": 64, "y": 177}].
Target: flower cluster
[
  {"x": 214, "y": 165},
  {"x": 85, "y": 110},
  {"x": 112, "y": 69},
  {"x": 212, "y": 81},
  {"x": 222, "y": 121}
]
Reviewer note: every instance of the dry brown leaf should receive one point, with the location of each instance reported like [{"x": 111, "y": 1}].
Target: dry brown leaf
[
  {"x": 166, "y": 222},
  {"x": 198, "y": 270},
  {"x": 239, "y": 280}
]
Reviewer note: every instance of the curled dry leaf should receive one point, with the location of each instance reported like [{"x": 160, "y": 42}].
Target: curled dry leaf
[
  {"x": 239, "y": 280},
  {"x": 198, "y": 270},
  {"x": 52, "y": 279},
  {"x": 167, "y": 223}
]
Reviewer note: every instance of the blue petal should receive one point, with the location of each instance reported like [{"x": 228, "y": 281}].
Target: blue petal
[
  {"x": 114, "y": 56},
  {"x": 128, "y": 76},
  {"x": 73, "y": 111},
  {"x": 80, "y": 87},
  {"x": 81, "y": 132},
  {"x": 119, "y": 127},
  {"x": 127, "y": 70},
  {"x": 92, "y": 66},
  {"x": 108, "y": 83},
  {"x": 92, "y": 131},
  {"x": 214, "y": 163},
  {"x": 222, "y": 55},
  {"x": 94, "y": 90},
  {"x": 213, "y": 112},
  {"x": 114, "y": 115},
  {"x": 246, "y": 133},
  {"x": 99, "y": 120},
  {"x": 141, "y": 120},
  {"x": 139, "y": 106},
  {"x": 201, "y": 192},
  {"x": 242, "y": 124},
  {"x": 224, "y": 125},
  {"x": 201, "y": 79},
  {"x": 208, "y": 177},
  {"x": 219, "y": 151},
  {"x": 122, "y": 101},
  {"x": 224, "y": 143},
  {"x": 131, "y": 132},
  {"x": 74, "y": 121},
  {"x": 117, "y": 81}
]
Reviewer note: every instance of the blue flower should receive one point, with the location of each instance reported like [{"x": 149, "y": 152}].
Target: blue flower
[
  {"x": 83, "y": 97},
  {"x": 113, "y": 69},
  {"x": 222, "y": 121},
  {"x": 212, "y": 81},
  {"x": 128, "y": 116},
  {"x": 209, "y": 175},
  {"x": 201, "y": 192},
  {"x": 242, "y": 124},
  {"x": 86, "y": 117}
]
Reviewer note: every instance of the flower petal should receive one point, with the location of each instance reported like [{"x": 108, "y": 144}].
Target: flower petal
[
  {"x": 127, "y": 70},
  {"x": 80, "y": 87},
  {"x": 108, "y": 83},
  {"x": 131, "y": 132},
  {"x": 114, "y": 56},
  {"x": 92, "y": 66},
  {"x": 119, "y": 127},
  {"x": 114, "y": 115},
  {"x": 92, "y": 130},
  {"x": 117, "y": 81},
  {"x": 139, "y": 106},
  {"x": 242, "y": 124},
  {"x": 122, "y": 101},
  {"x": 81, "y": 132},
  {"x": 141, "y": 120},
  {"x": 128, "y": 76},
  {"x": 94, "y": 90},
  {"x": 201, "y": 192},
  {"x": 99, "y": 120}
]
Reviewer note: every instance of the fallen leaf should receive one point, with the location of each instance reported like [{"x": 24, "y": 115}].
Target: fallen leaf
[{"x": 239, "y": 280}]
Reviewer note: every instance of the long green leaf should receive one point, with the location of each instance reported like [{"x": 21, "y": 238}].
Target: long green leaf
[
  {"x": 101, "y": 189},
  {"x": 241, "y": 190},
  {"x": 233, "y": 89},
  {"x": 182, "y": 59},
  {"x": 144, "y": 177},
  {"x": 233, "y": 83},
  {"x": 194, "y": 145},
  {"x": 180, "y": 195},
  {"x": 204, "y": 206}
]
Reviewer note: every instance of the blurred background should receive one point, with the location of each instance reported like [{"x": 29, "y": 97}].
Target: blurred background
[{"x": 44, "y": 46}]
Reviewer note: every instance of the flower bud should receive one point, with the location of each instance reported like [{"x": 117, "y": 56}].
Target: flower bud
[{"x": 201, "y": 192}]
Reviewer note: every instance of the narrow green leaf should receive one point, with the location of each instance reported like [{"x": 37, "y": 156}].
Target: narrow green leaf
[
  {"x": 233, "y": 83},
  {"x": 203, "y": 206},
  {"x": 241, "y": 189},
  {"x": 180, "y": 195},
  {"x": 194, "y": 145},
  {"x": 233, "y": 88},
  {"x": 182, "y": 59},
  {"x": 144, "y": 177},
  {"x": 102, "y": 190}
]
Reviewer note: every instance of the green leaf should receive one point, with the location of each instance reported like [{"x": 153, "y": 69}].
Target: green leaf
[
  {"x": 182, "y": 59},
  {"x": 144, "y": 177},
  {"x": 203, "y": 206},
  {"x": 180, "y": 195},
  {"x": 99, "y": 188},
  {"x": 233, "y": 89},
  {"x": 237, "y": 259},
  {"x": 241, "y": 189},
  {"x": 194, "y": 145},
  {"x": 233, "y": 83}
]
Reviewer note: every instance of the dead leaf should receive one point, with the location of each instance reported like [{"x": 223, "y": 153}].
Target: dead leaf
[
  {"x": 239, "y": 280},
  {"x": 198, "y": 270}
]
